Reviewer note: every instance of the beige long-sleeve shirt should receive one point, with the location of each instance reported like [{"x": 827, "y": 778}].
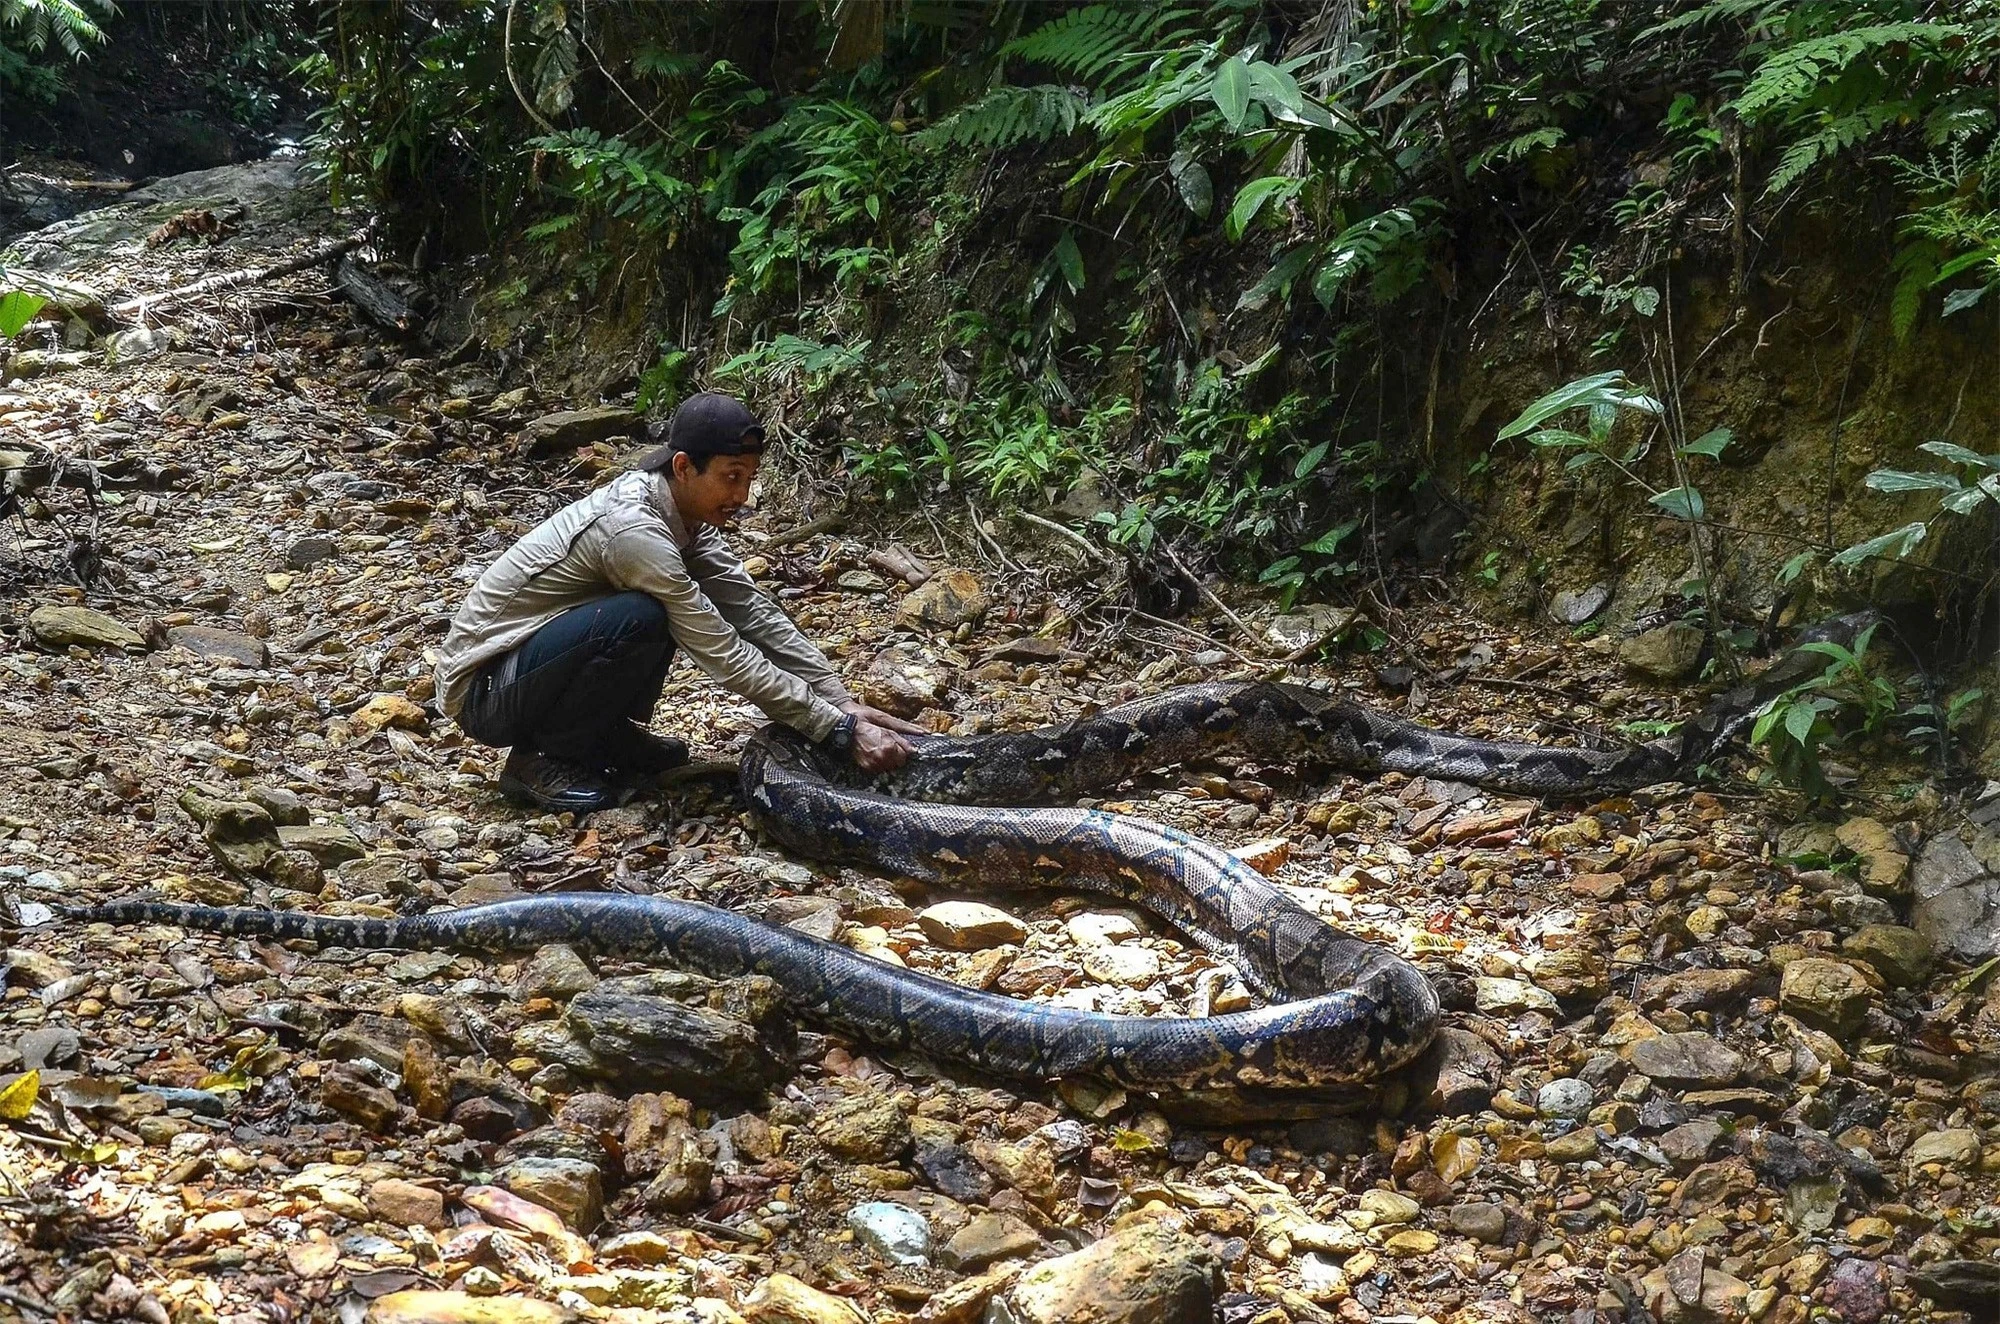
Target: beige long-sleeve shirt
[{"x": 628, "y": 535}]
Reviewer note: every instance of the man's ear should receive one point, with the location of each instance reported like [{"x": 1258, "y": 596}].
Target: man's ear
[{"x": 680, "y": 466}]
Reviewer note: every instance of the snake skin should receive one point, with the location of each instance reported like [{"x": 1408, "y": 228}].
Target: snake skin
[{"x": 1341, "y": 1011}]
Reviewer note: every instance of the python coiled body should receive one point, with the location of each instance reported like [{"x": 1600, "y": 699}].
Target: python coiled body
[{"x": 1341, "y": 1011}]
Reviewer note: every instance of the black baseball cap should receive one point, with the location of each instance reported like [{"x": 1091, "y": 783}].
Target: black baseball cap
[{"x": 708, "y": 424}]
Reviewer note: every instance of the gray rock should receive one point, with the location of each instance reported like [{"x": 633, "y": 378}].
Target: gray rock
[
  {"x": 555, "y": 971},
  {"x": 1669, "y": 653},
  {"x": 1144, "y": 1274},
  {"x": 1575, "y": 606},
  {"x": 307, "y": 552},
  {"x": 283, "y": 806},
  {"x": 1568, "y": 1098},
  {"x": 901, "y": 681},
  {"x": 1957, "y": 1148},
  {"x": 896, "y": 1232},
  {"x": 1481, "y": 1222},
  {"x": 1826, "y": 994},
  {"x": 647, "y": 1041},
  {"x": 80, "y": 627},
  {"x": 1859, "y": 910},
  {"x": 50, "y": 1046},
  {"x": 577, "y": 427},
  {"x": 225, "y": 645},
  {"x": 990, "y": 1237},
  {"x": 1903, "y": 957},
  {"x": 1693, "y": 1142},
  {"x": 329, "y": 843},
  {"x": 1456, "y": 1075},
  {"x": 1957, "y": 902},
  {"x": 240, "y": 833},
  {"x": 1812, "y": 1204},
  {"x": 1692, "y": 1059},
  {"x": 1960, "y": 1284}
]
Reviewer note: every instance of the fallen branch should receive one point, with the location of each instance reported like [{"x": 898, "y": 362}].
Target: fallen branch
[
  {"x": 1256, "y": 641},
  {"x": 134, "y": 310},
  {"x": 812, "y": 528},
  {"x": 899, "y": 562},
  {"x": 372, "y": 295},
  {"x": 1090, "y": 549}
]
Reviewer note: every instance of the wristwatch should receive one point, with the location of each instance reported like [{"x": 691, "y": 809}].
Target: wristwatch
[{"x": 841, "y": 738}]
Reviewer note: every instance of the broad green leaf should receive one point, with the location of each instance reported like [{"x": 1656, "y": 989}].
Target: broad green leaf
[
  {"x": 1310, "y": 460},
  {"x": 1070, "y": 260},
  {"x": 1604, "y": 388},
  {"x": 1645, "y": 301},
  {"x": 1960, "y": 455},
  {"x": 1766, "y": 720},
  {"x": 1231, "y": 92},
  {"x": 1898, "y": 480},
  {"x": 17, "y": 309},
  {"x": 1196, "y": 189},
  {"x": 1960, "y": 300},
  {"x": 1964, "y": 503},
  {"x": 1250, "y": 200},
  {"x": 1327, "y": 543},
  {"x": 1799, "y": 719},
  {"x": 1279, "y": 279},
  {"x": 1710, "y": 443},
  {"x": 1903, "y": 540},
  {"x": 1794, "y": 567},
  {"x": 1680, "y": 502},
  {"x": 1278, "y": 90},
  {"x": 1560, "y": 438},
  {"x": 1581, "y": 460}
]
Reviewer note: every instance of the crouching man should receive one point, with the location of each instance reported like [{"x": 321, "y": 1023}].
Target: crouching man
[{"x": 561, "y": 647}]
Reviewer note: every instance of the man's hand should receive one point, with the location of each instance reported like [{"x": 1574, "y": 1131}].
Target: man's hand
[
  {"x": 877, "y": 717},
  {"x": 877, "y": 748}
]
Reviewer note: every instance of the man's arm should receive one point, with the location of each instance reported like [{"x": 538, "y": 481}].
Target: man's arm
[
  {"x": 760, "y": 620},
  {"x": 645, "y": 560}
]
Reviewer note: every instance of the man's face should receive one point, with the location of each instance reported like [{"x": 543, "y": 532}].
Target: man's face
[{"x": 715, "y": 495}]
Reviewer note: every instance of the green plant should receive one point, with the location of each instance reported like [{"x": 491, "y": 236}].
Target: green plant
[
  {"x": 1848, "y": 699},
  {"x": 27, "y": 30},
  {"x": 666, "y": 379},
  {"x": 1956, "y": 497},
  {"x": 790, "y": 359},
  {"x": 17, "y": 309}
]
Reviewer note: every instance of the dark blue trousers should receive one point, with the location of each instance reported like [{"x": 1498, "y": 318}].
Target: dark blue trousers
[{"x": 573, "y": 687}]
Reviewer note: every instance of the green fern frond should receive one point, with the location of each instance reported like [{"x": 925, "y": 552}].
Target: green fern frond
[
  {"x": 1835, "y": 137},
  {"x": 1007, "y": 116},
  {"x": 1786, "y": 81},
  {"x": 1091, "y": 43}
]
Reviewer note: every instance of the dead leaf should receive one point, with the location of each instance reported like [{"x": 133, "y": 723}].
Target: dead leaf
[
  {"x": 1454, "y": 1156},
  {"x": 17, "y": 1100}
]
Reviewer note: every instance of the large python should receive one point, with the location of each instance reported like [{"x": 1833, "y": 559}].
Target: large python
[{"x": 1340, "y": 1011}]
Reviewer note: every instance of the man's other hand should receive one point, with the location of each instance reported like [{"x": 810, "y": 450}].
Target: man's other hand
[
  {"x": 877, "y": 748},
  {"x": 864, "y": 713}
]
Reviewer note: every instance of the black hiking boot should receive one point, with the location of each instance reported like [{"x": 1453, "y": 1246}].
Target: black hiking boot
[
  {"x": 636, "y": 752},
  {"x": 534, "y": 778}
]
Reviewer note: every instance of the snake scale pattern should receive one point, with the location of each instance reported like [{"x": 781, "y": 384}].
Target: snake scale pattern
[{"x": 1340, "y": 1011}]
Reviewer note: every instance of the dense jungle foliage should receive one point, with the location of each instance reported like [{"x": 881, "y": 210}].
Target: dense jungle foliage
[{"x": 1185, "y": 273}]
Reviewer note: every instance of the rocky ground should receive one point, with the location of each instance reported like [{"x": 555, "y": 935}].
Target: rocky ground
[{"x": 1707, "y": 1059}]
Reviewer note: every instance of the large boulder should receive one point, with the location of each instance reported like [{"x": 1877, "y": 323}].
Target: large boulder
[
  {"x": 1956, "y": 900},
  {"x": 1147, "y": 1273}
]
